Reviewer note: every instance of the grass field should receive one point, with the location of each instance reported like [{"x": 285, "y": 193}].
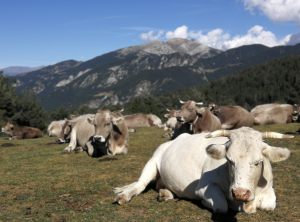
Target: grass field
[{"x": 39, "y": 183}]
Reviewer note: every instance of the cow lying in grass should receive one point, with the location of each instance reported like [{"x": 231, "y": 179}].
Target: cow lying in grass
[
  {"x": 16, "y": 132},
  {"x": 230, "y": 170},
  {"x": 110, "y": 134}
]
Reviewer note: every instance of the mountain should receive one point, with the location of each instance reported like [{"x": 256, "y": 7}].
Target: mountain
[
  {"x": 148, "y": 69},
  {"x": 16, "y": 70}
]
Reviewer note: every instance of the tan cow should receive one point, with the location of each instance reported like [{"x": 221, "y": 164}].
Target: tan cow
[
  {"x": 224, "y": 169},
  {"x": 198, "y": 119},
  {"x": 16, "y": 132},
  {"x": 141, "y": 120},
  {"x": 277, "y": 114},
  {"x": 65, "y": 133},
  {"x": 232, "y": 117},
  {"x": 110, "y": 134},
  {"x": 54, "y": 128},
  {"x": 263, "y": 107}
]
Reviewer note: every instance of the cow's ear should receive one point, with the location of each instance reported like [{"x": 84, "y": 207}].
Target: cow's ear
[
  {"x": 200, "y": 110},
  {"x": 167, "y": 116},
  {"x": 66, "y": 119},
  {"x": 216, "y": 151},
  {"x": 118, "y": 120},
  {"x": 90, "y": 119},
  {"x": 276, "y": 154}
]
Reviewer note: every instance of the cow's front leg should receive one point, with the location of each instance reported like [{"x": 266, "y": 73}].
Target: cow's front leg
[
  {"x": 72, "y": 144},
  {"x": 266, "y": 200},
  {"x": 149, "y": 174},
  {"x": 212, "y": 197},
  {"x": 164, "y": 195},
  {"x": 227, "y": 126}
]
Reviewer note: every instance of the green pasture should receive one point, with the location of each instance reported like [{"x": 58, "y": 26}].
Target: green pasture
[{"x": 39, "y": 183}]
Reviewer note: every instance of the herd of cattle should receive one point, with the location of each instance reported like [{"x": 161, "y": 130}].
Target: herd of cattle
[{"x": 217, "y": 158}]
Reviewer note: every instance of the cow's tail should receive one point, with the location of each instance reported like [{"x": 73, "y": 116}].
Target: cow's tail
[{"x": 126, "y": 187}]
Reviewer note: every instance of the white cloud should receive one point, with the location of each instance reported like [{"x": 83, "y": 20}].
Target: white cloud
[
  {"x": 276, "y": 10},
  {"x": 180, "y": 32},
  {"x": 219, "y": 39},
  {"x": 149, "y": 36},
  {"x": 256, "y": 35}
]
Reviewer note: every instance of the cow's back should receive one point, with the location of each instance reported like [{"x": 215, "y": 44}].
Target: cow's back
[
  {"x": 263, "y": 107},
  {"x": 236, "y": 116},
  {"x": 84, "y": 130},
  {"x": 137, "y": 120},
  {"x": 273, "y": 115},
  {"x": 185, "y": 161},
  {"x": 24, "y": 132}
]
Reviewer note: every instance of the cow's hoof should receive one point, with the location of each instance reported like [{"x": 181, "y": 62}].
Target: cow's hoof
[
  {"x": 78, "y": 149},
  {"x": 163, "y": 195},
  {"x": 65, "y": 152},
  {"x": 120, "y": 199}
]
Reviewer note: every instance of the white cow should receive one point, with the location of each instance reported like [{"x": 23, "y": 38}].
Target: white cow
[
  {"x": 170, "y": 124},
  {"x": 55, "y": 128},
  {"x": 222, "y": 172}
]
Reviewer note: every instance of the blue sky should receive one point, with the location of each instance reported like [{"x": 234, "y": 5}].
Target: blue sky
[{"x": 44, "y": 32}]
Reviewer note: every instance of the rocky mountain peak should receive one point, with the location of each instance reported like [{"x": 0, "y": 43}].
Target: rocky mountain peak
[{"x": 174, "y": 45}]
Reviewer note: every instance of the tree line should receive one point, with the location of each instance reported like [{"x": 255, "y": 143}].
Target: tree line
[{"x": 274, "y": 81}]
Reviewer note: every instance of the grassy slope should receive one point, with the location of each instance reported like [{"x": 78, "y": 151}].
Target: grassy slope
[{"x": 38, "y": 182}]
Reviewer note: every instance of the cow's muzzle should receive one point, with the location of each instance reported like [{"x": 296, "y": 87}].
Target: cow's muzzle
[
  {"x": 180, "y": 119},
  {"x": 241, "y": 195},
  {"x": 98, "y": 139}
]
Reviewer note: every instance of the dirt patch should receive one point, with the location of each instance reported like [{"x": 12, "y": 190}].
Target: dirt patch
[
  {"x": 59, "y": 219},
  {"x": 15, "y": 193},
  {"x": 3, "y": 208},
  {"x": 8, "y": 145},
  {"x": 30, "y": 212},
  {"x": 106, "y": 159},
  {"x": 131, "y": 212},
  {"x": 50, "y": 201},
  {"x": 48, "y": 214},
  {"x": 80, "y": 205}
]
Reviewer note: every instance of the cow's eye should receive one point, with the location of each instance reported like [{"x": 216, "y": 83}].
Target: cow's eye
[
  {"x": 258, "y": 162},
  {"x": 107, "y": 123}
]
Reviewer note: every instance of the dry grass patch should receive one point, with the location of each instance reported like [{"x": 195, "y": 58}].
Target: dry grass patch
[{"x": 39, "y": 183}]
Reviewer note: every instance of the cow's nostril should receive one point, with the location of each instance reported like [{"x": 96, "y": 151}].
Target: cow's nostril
[{"x": 240, "y": 194}]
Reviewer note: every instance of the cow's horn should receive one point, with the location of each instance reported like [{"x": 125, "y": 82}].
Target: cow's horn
[
  {"x": 181, "y": 101},
  {"x": 295, "y": 104},
  {"x": 273, "y": 135},
  {"x": 200, "y": 103},
  {"x": 121, "y": 110},
  {"x": 219, "y": 133},
  {"x": 296, "y": 112},
  {"x": 167, "y": 109}
]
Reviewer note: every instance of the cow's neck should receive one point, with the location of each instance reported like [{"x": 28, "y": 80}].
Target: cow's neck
[{"x": 192, "y": 125}]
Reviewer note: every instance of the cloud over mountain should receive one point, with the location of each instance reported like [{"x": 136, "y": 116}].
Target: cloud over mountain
[{"x": 217, "y": 38}]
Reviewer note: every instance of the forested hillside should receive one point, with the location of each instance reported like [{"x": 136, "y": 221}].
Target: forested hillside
[{"x": 274, "y": 81}]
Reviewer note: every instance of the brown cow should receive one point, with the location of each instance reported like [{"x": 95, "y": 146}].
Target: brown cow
[
  {"x": 16, "y": 132},
  {"x": 110, "y": 134},
  {"x": 197, "y": 119},
  {"x": 232, "y": 117},
  {"x": 277, "y": 114},
  {"x": 141, "y": 120}
]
